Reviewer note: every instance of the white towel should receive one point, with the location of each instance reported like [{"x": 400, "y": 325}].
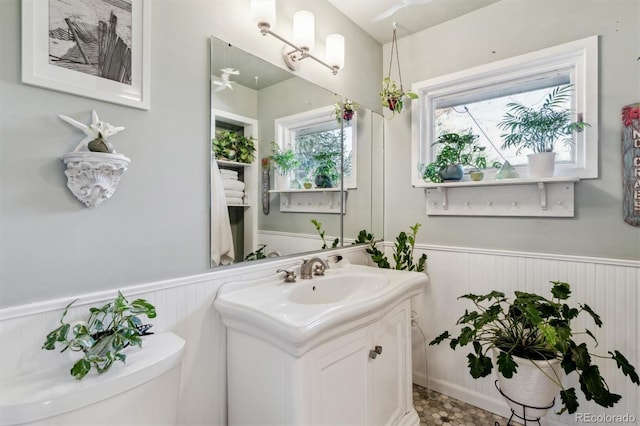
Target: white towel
[
  {"x": 222, "y": 252},
  {"x": 234, "y": 185},
  {"x": 233, "y": 194},
  {"x": 229, "y": 174},
  {"x": 234, "y": 200}
]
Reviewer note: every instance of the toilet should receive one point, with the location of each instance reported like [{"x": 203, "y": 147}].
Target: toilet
[{"x": 144, "y": 391}]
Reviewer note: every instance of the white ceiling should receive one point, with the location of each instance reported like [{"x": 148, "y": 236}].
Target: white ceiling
[{"x": 376, "y": 17}]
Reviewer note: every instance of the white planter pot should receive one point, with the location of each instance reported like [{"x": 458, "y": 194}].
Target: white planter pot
[
  {"x": 541, "y": 164},
  {"x": 283, "y": 181},
  {"x": 531, "y": 387}
]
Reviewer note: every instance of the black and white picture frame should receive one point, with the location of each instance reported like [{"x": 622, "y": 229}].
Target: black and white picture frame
[{"x": 99, "y": 49}]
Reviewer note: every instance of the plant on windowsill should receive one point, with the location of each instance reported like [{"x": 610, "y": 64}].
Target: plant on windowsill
[
  {"x": 233, "y": 146},
  {"x": 457, "y": 150},
  {"x": 326, "y": 169},
  {"x": 539, "y": 129},
  {"x": 531, "y": 334},
  {"x": 285, "y": 162},
  {"x": 104, "y": 336}
]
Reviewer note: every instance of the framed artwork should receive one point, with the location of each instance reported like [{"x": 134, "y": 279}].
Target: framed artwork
[{"x": 94, "y": 48}]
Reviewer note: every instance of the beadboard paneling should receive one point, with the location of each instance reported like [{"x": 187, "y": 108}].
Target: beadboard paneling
[
  {"x": 611, "y": 287},
  {"x": 184, "y": 306}
]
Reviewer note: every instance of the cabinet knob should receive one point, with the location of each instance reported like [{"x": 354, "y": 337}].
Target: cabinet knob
[{"x": 373, "y": 353}]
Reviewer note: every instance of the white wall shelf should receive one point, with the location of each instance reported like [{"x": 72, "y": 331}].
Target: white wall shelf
[
  {"x": 547, "y": 197},
  {"x": 314, "y": 200}
]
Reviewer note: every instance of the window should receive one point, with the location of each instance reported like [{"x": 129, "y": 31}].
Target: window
[
  {"x": 476, "y": 99},
  {"x": 316, "y": 133}
]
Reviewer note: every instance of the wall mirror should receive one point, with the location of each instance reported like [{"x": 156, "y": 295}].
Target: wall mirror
[{"x": 256, "y": 99}]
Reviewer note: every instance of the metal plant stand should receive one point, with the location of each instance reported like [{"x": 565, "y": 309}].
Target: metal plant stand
[{"x": 524, "y": 410}]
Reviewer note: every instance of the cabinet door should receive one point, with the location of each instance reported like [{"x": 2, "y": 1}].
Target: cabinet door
[
  {"x": 340, "y": 381},
  {"x": 389, "y": 375}
]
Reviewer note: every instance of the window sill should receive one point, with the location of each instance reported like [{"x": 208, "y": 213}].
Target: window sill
[{"x": 546, "y": 197}]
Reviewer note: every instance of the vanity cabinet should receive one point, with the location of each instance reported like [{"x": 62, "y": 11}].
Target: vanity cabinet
[{"x": 360, "y": 377}]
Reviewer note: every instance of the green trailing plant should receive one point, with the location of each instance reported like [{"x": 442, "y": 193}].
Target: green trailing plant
[
  {"x": 392, "y": 96},
  {"x": 104, "y": 336},
  {"x": 403, "y": 250},
  {"x": 456, "y": 149},
  {"x": 539, "y": 129},
  {"x": 534, "y": 327},
  {"x": 284, "y": 159},
  {"x": 318, "y": 226},
  {"x": 257, "y": 254},
  {"x": 233, "y": 146}
]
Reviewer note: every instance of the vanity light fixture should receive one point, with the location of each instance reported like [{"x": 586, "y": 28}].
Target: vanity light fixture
[{"x": 263, "y": 13}]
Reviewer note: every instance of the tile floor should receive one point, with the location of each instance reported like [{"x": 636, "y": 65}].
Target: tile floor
[{"x": 437, "y": 409}]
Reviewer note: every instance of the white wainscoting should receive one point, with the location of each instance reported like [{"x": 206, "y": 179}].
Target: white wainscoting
[
  {"x": 611, "y": 287},
  {"x": 184, "y": 306}
]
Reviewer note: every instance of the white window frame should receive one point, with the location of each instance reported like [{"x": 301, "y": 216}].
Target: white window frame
[
  {"x": 579, "y": 57},
  {"x": 285, "y": 128}
]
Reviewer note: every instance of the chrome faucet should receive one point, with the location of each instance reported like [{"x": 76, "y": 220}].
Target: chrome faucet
[{"x": 307, "y": 267}]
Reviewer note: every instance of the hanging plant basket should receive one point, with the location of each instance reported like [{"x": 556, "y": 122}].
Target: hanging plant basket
[{"x": 393, "y": 94}]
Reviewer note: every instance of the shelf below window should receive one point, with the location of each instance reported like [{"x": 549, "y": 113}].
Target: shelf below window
[
  {"x": 313, "y": 200},
  {"x": 550, "y": 197}
]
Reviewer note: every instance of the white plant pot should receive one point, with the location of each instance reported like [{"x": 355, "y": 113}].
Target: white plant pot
[
  {"x": 541, "y": 164},
  {"x": 283, "y": 181},
  {"x": 531, "y": 387}
]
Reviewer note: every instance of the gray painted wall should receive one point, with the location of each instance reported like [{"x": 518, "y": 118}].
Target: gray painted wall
[
  {"x": 155, "y": 227},
  {"x": 504, "y": 29}
]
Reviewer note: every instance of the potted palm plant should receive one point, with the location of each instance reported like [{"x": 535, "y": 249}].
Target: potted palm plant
[
  {"x": 457, "y": 150},
  {"x": 540, "y": 129},
  {"x": 285, "y": 163},
  {"x": 533, "y": 341}
]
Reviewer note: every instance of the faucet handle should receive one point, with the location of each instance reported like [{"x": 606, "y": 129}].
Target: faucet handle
[
  {"x": 289, "y": 276},
  {"x": 318, "y": 269}
]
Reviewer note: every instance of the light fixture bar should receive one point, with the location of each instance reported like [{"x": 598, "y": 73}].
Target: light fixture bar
[{"x": 292, "y": 57}]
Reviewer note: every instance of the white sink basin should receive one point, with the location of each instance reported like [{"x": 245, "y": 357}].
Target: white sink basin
[
  {"x": 296, "y": 316},
  {"x": 337, "y": 288}
]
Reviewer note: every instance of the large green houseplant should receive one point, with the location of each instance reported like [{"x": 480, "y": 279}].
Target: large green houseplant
[
  {"x": 532, "y": 328},
  {"x": 539, "y": 129},
  {"x": 457, "y": 150}
]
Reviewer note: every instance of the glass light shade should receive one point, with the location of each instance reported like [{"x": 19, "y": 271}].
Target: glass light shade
[
  {"x": 304, "y": 29},
  {"x": 264, "y": 12},
  {"x": 335, "y": 50}
]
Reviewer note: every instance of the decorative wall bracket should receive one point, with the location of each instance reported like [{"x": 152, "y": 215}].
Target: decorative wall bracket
[{"x": 93, "y": 176}]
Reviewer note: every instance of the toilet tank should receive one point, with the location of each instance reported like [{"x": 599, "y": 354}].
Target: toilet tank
[{"x": 144, "y": 391}]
